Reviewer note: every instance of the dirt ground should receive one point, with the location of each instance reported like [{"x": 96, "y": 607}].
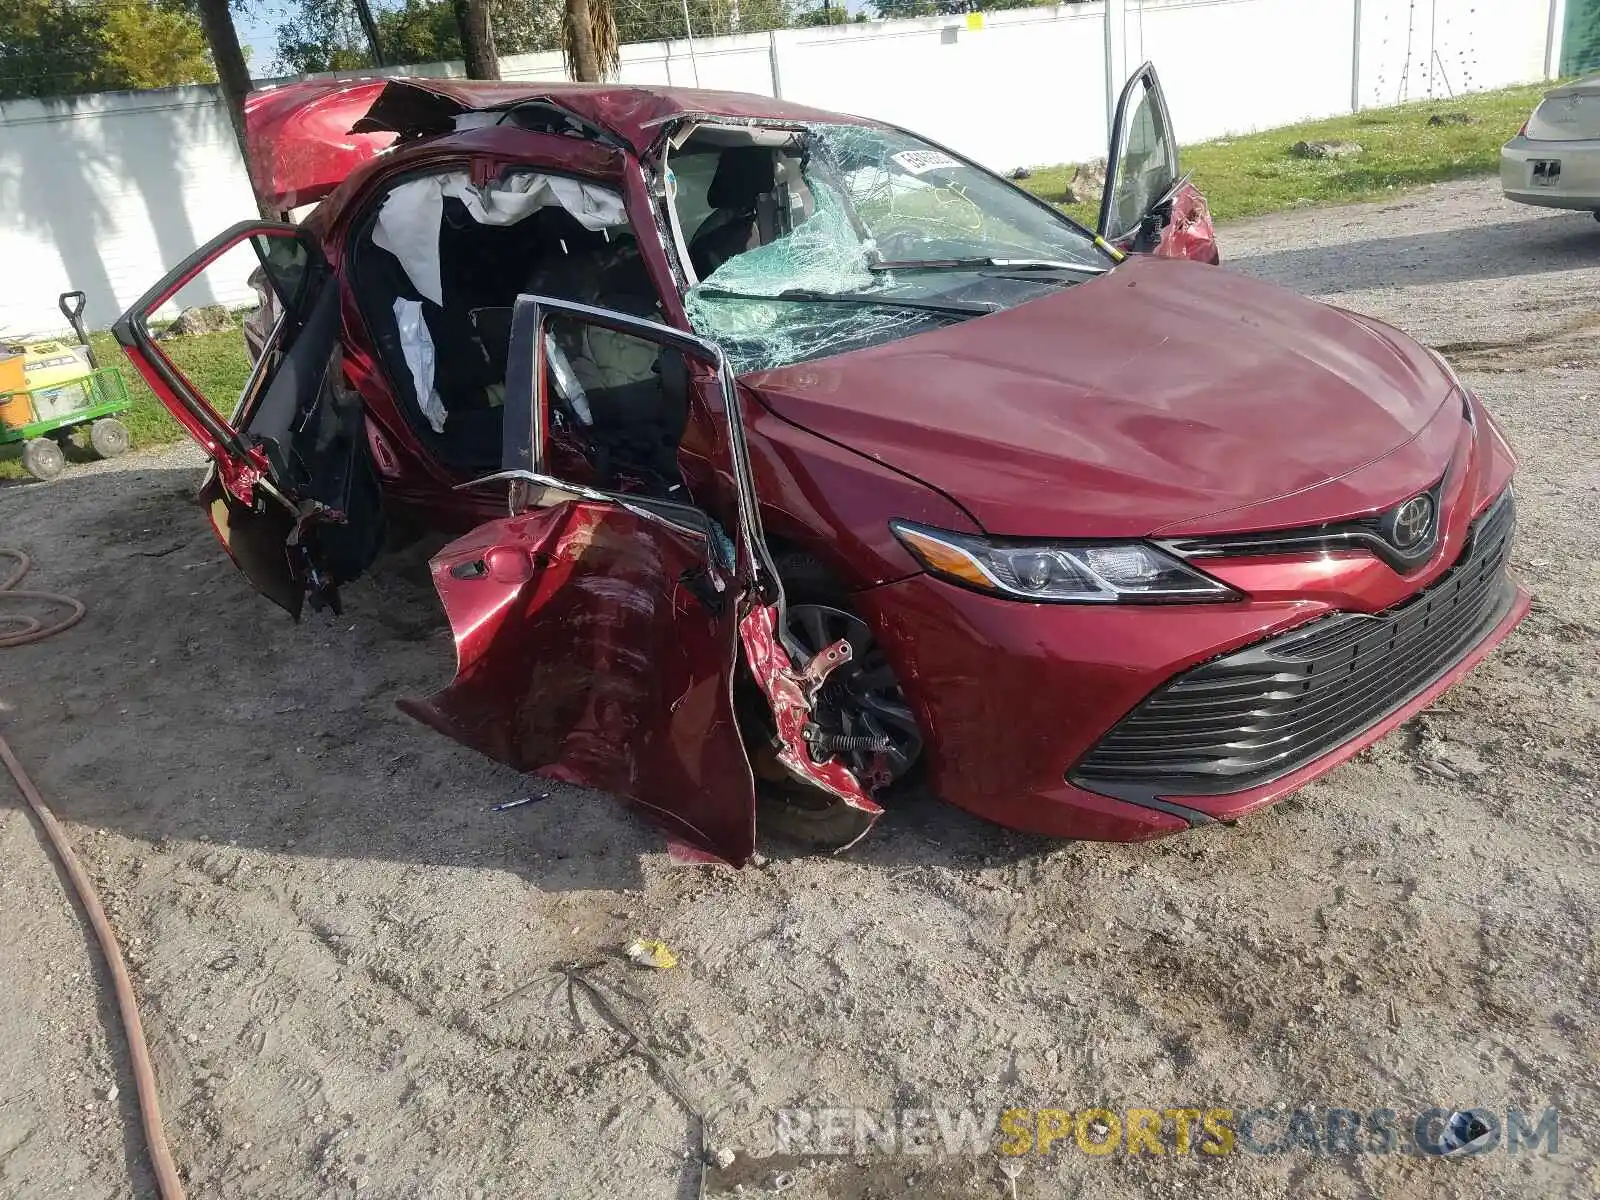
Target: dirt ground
[{"x": 345, "y": 956}]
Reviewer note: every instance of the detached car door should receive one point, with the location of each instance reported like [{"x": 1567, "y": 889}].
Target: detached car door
[
  {"x": 599, "y": 632},
  {"x": 291, "y": 493},
  {"x": 1149, "y": 206}
]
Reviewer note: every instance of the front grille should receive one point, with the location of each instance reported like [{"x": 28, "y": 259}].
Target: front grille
[
  {"x": 1255, "y": 715},
  {"x": 1365, "y": 533}
]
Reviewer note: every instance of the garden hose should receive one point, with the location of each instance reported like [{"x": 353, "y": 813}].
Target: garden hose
[{"x": 25, "y": 629}]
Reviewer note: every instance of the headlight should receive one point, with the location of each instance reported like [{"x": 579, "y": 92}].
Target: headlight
[{"x": 1060, "y": 572}]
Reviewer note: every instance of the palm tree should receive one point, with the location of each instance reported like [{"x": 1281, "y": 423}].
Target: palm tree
[{"x": 589, "y": 40}]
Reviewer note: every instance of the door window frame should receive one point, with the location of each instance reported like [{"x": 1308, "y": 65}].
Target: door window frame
[
  {"x": 525, "y": 435},
  {"x": 1120, "y": 129},
  {"x": 217, "y": 436},
  {"x": 787, "y": 675},
  {"x": 654, "y": 161}
]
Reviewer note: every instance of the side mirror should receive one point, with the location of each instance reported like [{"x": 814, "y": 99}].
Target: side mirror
[{"x": 1151, "y": 224}]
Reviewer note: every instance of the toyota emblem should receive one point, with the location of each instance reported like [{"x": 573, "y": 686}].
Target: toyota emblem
[{"x": 1412, "y": 523}]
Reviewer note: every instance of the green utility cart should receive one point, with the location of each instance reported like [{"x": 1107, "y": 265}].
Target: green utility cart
[{"x": 48, "y": 389}]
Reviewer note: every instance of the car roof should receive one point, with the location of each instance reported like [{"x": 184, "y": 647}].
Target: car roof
[
  {"x": 306, "y": 138},
  {"x": 633, "y": 112}
]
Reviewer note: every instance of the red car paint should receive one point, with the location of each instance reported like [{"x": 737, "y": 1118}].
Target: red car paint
[
  {"x": 632, "y": 114},
  {"x": 301, "y": 143},
  {"x": 1190, "y": 233},
  {"x": 584, "y": 570},
  {"x": 578, "y": 568},
  {"x": 1162, "y": 399},
  {"x": 790, "y": 695},
  {"x": 1099, "y": 663},
  {"x": 1147, "y": 392}
]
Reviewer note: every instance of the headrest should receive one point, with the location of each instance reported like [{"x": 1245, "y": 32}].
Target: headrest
[{"x": 743, "y": 173}]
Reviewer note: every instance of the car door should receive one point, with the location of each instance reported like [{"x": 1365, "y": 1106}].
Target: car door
[
  {"x": 291, "y": 494},
  {"x": 1149, "y": 205},
  {"x": 599, "y": 633}
]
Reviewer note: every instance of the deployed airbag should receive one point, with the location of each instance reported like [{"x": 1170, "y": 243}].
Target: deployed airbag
[
  {"x": 416, "y": 343},
  {"x": 408, "y": 223}
]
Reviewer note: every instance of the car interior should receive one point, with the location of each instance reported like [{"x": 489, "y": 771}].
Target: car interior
[
  {"x": 737, "y": 189},
  {"x": 439, "y": 263},
  {"x": 440, "y": 312}
]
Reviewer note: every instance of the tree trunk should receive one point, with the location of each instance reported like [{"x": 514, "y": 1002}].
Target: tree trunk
[
  {"x": 233, "y": 74},
  {"x": 370, "y": 28},
  {"x": 580, "y": 40},
  {"x": 477, "y": 39}
]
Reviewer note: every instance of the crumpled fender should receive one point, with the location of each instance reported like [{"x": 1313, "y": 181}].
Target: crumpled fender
[
  {"x": 790, "y": 694},
  {"x": 1191, "y": 233}
]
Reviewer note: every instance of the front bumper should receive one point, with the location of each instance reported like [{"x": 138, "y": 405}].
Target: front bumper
[
  {"x": 1526, "y": 173},
  {"x": 1248, "y": 718},
  {"x": 1017, "y": 699}
]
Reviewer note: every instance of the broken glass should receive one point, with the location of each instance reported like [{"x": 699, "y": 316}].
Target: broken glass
[
  {"x": 861, "y": 198},
  {"x": 821, "y": 254}
]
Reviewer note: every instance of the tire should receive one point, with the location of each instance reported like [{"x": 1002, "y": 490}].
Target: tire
[
  {"x": 807, "y": 817},
  {"x": 788, "y": 808},
  {"x": 109, "y": 437},
  {"x": 42, "y": 458}
]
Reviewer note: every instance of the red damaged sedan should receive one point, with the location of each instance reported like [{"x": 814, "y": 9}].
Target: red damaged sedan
[{"x": 789, "y": 446}]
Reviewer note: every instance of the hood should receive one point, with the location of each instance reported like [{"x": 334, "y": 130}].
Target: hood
[{"x": 1151, "y": 398}]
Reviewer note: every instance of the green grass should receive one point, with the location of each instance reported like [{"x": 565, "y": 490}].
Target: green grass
[
  {"x": 1255, "y": 173},
  {"x": 216, "y": 363}
]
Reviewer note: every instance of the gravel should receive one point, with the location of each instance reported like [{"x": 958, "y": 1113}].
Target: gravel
[{"x": 346, "y": 958}]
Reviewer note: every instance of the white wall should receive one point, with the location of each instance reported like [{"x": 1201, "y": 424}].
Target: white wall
[
  {"x": 1028, "y": 87},
  {"x": 105, "y": 193},
  {"x": 1232, "y": 66},
  {"x": 101, "y": 193},
  {"x": 1425, "y": 49}
]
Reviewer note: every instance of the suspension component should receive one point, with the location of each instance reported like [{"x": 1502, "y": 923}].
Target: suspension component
[{"x": 824, "y": 742}]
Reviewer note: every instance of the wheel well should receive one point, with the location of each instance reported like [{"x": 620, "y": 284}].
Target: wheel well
[{"x": 802, "y": 571}]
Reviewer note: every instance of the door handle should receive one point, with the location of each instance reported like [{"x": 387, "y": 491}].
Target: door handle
[{"x": 504, "y": 564}]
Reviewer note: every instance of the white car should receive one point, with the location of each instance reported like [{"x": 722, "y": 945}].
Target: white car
[{"x": 1554, "y": 161}]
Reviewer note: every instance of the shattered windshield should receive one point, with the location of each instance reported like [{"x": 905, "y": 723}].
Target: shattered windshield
[{"x": 809, "y": 243}]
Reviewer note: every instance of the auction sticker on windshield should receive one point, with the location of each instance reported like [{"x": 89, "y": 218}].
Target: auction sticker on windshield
[{"x": 919, "y": 162}]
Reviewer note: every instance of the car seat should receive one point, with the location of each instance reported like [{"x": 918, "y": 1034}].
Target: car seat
[
  {"x": 636, "y": 394},
  {"x": 744, "y": 208}
]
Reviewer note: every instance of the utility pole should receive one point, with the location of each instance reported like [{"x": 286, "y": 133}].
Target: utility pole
[
  {"x": 1553, "y": 38},
  {"x": 1355, "y": 62},
  {"x": 1116, "y": 57},
  {"x": 688, "y": 32}
]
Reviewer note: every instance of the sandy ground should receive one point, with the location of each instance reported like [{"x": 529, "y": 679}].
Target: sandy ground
[{"x": 345, "y": 956}]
